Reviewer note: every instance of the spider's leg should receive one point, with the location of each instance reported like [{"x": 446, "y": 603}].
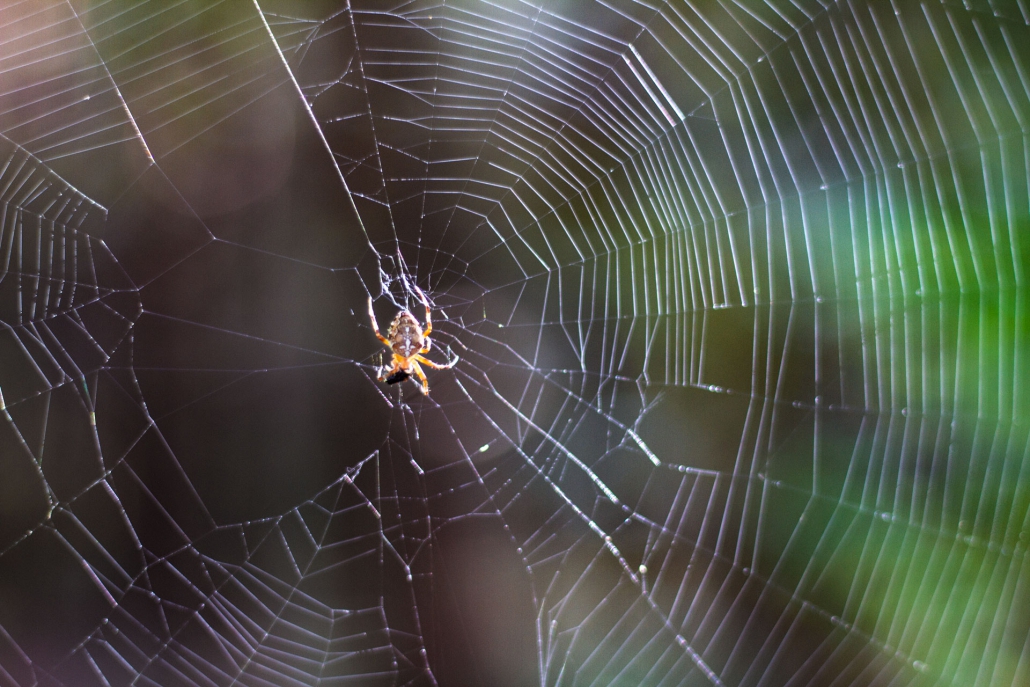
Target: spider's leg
[
  {"x": 436, "y": 366},
  {"x": 387, "y": 373},
  {"x": 425, "y": 345},
  {"x": 383, "y": 371},
  {"x": 417, "y": 369},
  {"x": 429, "y": 319},
  {"x": 375, "y": 325}
]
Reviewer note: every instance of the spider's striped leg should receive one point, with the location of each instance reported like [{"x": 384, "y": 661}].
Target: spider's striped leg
[
  {"x": 421, "y": 375},
  {"x": 429, "y": 318},
  {"x": 436, "y": 366},
  {"x": 375, "y": 325}
]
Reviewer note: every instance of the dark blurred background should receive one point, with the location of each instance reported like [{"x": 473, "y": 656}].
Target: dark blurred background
[{"x": 738, "y": 290}]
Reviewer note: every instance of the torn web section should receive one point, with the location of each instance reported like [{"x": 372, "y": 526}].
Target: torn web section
[
  {"x": 128, "y": 491},
  {"x": 66, "y": 308},
  {"x": 298, "y": 598}
]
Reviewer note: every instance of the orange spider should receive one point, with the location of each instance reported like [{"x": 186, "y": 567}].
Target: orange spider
[{"x": 407, "y": 342}]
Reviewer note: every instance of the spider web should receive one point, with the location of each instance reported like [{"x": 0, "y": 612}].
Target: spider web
[{"x": 738, "y": 292}]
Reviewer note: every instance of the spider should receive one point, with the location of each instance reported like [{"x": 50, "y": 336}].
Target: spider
[{"x": 408, "y": 342}]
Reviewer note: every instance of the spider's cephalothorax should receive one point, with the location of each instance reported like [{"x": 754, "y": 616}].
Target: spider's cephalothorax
[{"x": 407, "y": 341}]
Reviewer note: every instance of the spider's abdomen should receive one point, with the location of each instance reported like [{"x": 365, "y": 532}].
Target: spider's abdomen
[
  {"x": 406, "y": 348},
  {"x": 405, "y": 335}
]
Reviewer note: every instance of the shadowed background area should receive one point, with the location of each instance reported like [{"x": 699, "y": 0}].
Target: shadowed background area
[{"x": 739, "y": 295}]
